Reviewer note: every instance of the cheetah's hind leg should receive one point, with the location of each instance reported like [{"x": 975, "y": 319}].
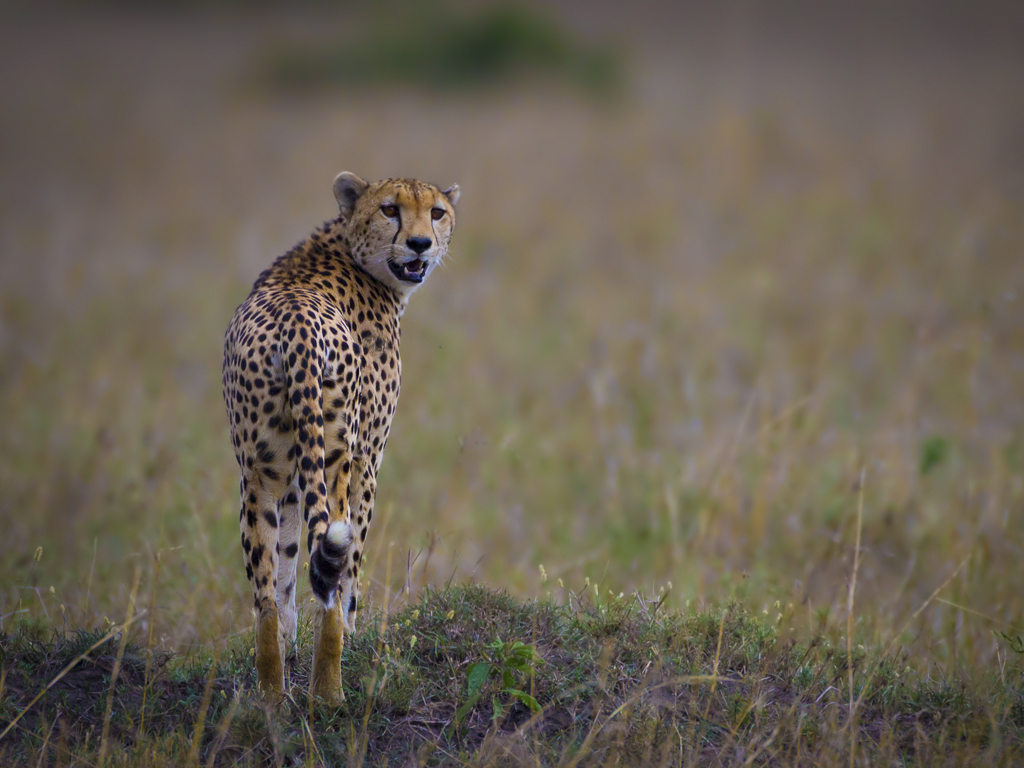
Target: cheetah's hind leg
[
  {"x": 259, "y": 541},
  {"x": 326, "y": 563},
  {"x": 289, "y": 533}
]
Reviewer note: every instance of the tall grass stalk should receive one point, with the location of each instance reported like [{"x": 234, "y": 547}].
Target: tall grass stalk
[
  {"x": 88, "y": 585},
  {"x": 225, "y": 724},
  {"x": 714, "y": 669},
  {"x": 363, "y": 741},
  {"x": 157, "y": 561},
  {"x": 199, "y": 728},
  {"x": 849, "y": 619},
  {"x": 116, "y": 670}
]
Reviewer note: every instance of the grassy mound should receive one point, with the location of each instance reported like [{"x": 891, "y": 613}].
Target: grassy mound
[{"x": 444, "y": 682}]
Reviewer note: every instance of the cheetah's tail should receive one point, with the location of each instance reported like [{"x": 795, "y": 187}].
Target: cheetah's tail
[{"x": 327, "y": 561}]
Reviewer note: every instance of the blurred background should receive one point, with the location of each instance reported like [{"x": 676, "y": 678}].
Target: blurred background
[{"x": 714, "y": 263}]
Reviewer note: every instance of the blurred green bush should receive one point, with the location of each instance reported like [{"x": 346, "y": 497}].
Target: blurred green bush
[{"x": 443, "y": 48}]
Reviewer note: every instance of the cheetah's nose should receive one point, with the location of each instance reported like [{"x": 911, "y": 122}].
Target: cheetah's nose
[{"x": 418, "y": 244}]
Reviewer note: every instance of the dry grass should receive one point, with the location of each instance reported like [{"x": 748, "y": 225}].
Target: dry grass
[{"x": 674, "y": 331}]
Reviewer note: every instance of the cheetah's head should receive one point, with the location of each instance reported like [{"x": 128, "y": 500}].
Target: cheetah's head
[{"x": 397, "y": 230}]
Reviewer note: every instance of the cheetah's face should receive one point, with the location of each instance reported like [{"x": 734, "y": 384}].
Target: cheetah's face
[{"x": 398, "y": 230}]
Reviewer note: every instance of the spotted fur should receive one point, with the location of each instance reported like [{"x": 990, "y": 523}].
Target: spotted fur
[{"x": 311, "y": 380}]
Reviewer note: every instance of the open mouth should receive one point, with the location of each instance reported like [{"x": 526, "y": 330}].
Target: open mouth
[{"x": 410, "y": 272}]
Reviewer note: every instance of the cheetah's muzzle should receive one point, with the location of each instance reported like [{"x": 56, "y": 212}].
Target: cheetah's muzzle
[{"x": 411, "y": 272}]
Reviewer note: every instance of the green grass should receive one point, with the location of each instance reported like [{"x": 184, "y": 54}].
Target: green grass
[{"x": 615, "y": 679}]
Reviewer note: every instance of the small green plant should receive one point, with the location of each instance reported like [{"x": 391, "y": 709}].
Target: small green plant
[
  {"x": 504, "y": 661},
  {"x": 934, "y": 452},
  {"x": 1016, "y": 642}
]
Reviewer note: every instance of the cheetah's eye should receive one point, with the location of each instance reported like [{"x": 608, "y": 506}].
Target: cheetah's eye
[
  {"x": 436, "y": 213},
  {"x": 390, "y": 210}
]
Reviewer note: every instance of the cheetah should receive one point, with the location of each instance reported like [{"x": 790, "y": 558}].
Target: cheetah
[{"x": 311, "y": 379}]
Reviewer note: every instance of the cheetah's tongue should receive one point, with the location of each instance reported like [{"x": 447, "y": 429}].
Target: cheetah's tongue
[{"x": 415, "y": 266}]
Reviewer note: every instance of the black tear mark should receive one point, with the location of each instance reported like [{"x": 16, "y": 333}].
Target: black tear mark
[{"x": 399, "y": 231}]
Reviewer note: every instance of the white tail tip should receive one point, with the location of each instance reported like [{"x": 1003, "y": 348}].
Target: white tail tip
[{"x": 339, "y": 534}]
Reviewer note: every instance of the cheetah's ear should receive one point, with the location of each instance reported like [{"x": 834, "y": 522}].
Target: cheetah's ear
[
  {"x": 452, "y": 193},
  {"x": 347, "y": 189}
]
